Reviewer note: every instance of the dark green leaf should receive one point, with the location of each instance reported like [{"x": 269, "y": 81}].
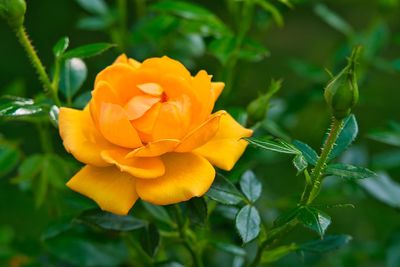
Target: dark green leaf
[
  {"x": 197, "y": 208},
  {"x": 150, "y": 240},
  {"x": 60, "y": 47},
  {"x": 327, "y": 244},
  {"x": 314, "y": 219},
  {"x": 386, "y": 160},
  {"x": 222, "y": 48},
  {"x": 286, "y": 216},
  {"x": 157, "y": 212},
  {"x": 251, "y": 186},
  {"x": 94, "y": 6},
  {"x": 89, "y": 50},
  {"x": 228, "y": 212},
  {"x": 333, "y": 20},
  {"x": 348, "y": 171},
  {"x": 111, "y": 221},
  {"x": 272, "y": 255},
  {"x": 248, "y": 223},
  {"x": 300, "y": 163},
  {"x": 229, "y": 248},
  {"x": 253, "y": 51},
  {"x": 387, "y": 137},
  {"x": 94, "y": 23},
  {"x": 277, "y": 146},
  {"x": 223, "y": 191},
  {"x": 308, "y": 153},
  {"x": 73, "y": 75},
  {"x": 346, "y": 136},
  {"x": 276, "y": 14},
  {"x": 82, "y": 100},
  {"x": 12, "y": 106},
  {"x": 384, "y": 189},
  {"x": 9, "y": 158},
  {"x": 28, "y": 170}
]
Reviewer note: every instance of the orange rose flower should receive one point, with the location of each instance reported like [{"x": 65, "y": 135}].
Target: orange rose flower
[{"x": 148, "y": 132}]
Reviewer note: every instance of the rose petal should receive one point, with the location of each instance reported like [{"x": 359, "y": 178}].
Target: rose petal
[
  {"x": 145, "y": 168},
  {"x": 186, "y": 176},
  {"x": 138, "y": 105},
  {"x": 166, "y": 65},
  {"x": 153, "y": 89},
  {"x": 216, "y": 89},
  {"x": 116, "y": 128},
  {"x": 80, "y": 136},
  {"x": 155, "y": 148},
  {"x": 226, "y": 147},
  {"x": 111, "y": 189}
]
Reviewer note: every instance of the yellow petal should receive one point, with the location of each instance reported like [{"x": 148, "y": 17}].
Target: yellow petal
[
  {"x": 80, "y": 136},
  {"x": 145, "y": 168},
  {"x": 138, "y": 105},
  {"x": 166, "y": 65},
  {"x": 121, "y": 59},
  {"x": 186, "y": 176},
  {"x": 216, "y": 89},
  {"x": 103, "y": 93},
  {"x": 111, "y": 189},
  {"x": 155, "y": 148},
  {"x": 153, "y": 89},
  {"x": 226, "y": 147},
  {"x": 116, "y": 128},
  {"x": 202, "y": 134}
]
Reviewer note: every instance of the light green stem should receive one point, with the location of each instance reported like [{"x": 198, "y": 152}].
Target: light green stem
[{"x": 23, "y": 38}]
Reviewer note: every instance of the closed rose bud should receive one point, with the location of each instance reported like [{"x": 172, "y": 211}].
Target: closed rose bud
[
  {"x": 13, "y": 11},
  {"x": 341, "y": 93}
]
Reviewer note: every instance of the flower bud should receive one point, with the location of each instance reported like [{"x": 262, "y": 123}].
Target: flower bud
[
  {"x": 341, "y": 93},
  {"x": 13, "y": 11},
  {"x": 258, "y": 108}
]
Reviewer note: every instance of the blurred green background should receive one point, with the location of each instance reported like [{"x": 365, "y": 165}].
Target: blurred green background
[{"x": 315, "y": 35}]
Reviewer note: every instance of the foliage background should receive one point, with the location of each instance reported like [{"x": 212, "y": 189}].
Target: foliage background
[{"x": 298, "y": 53}]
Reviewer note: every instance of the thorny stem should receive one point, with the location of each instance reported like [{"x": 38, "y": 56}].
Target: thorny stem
[
  {"x": 311, "y": 191},
  {"x": 23, "y": 38},
  {"x": 195, "y": 254}
]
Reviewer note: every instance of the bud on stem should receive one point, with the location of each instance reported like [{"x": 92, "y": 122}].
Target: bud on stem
[
  {"x": 13, "y": 11},
  {"x": 341, "y": 93}
]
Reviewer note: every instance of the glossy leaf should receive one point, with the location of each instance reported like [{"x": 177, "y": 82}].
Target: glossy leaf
[
  {"x": 347, "y": 135},
  {"x": 94, "y": 6},
  {"x": 251, "y": 186},
  {"x": 230, "y": 248},
  {"x": 384, "y": 189},
  {"x": 314, "y": 219},
  {"x": 14, "y": 107},
  {"x": 9, "y": 158},
  {"x": 60, "y": 47},
  {"x": 53, "y": 115},
  {"x": 109, "y": 221},
  {"x": 300, "y": 163},
  {"x": 328, "y": 243},
  {"x": 275, "y": 254},
  {"x": 308, "y": 153},
  {"x": 150, "y": 239},
  {"x": 73, "y": 75},
  {"x": 276, "y": 146},
  {"x": 197, "y": 210},
  {"x": 89, "y": 50},
  {"x": 223, "y": 191},
  {"x": 248, "y": 223},
  {"x": 349, "y": 171},
  {"x": 286, "y": 216},
  {"x": 158, "y": 212}
]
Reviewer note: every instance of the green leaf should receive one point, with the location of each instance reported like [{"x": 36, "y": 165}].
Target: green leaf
[
  {"x": 28, "y": 169},
  {"x": 275, "y": 254},
  {"x": 89, "y": 50},
  {"x": 226, "y": 211},
  {"x": 222, "y": 48},
  {"x": 98, "y": 7},
  {"x": 333, "y": 20},
  {"x": 82, "y": 100},
  {"x": 9, "y": 158},
  {"x": 248, "y": 223},
  {"x": 384, "y": 189},
  {"x": 60, "y": 47},
  {"x": 286, "y": 216},
  {"x": 347, "y": 135},
  {"x": 111, "y": 221},
  {"x": 53, "y": 115},
  {"x": 150, "y": 240},
  {"x": 314, "y": 219},
  {"x": 251, "y": 186},
  {"x": 308, "y": 153},
  {"x": 253, "y": 50},
  {"x": 276, "y": 146},
  {"x": 269, "y": 8},
  {"x": 223, "y": 191},
  {"x": 158, "y": 212},
  {"x": 14, "y": 107},
  {"x": 300, "y": 163},
  {"x": 81, "y": 251},
  {"x": 94, "y": 23},
  {"x": 230, "y": 248},
  {"x": 197, "y": 209},
  {"x": 327, "y": 244},
  {"x": 348, "y": 171},
  {"x": 73, "y": 75},
  {"x": 386, "y": 160},
  {"x": 387, "y": 137}
]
